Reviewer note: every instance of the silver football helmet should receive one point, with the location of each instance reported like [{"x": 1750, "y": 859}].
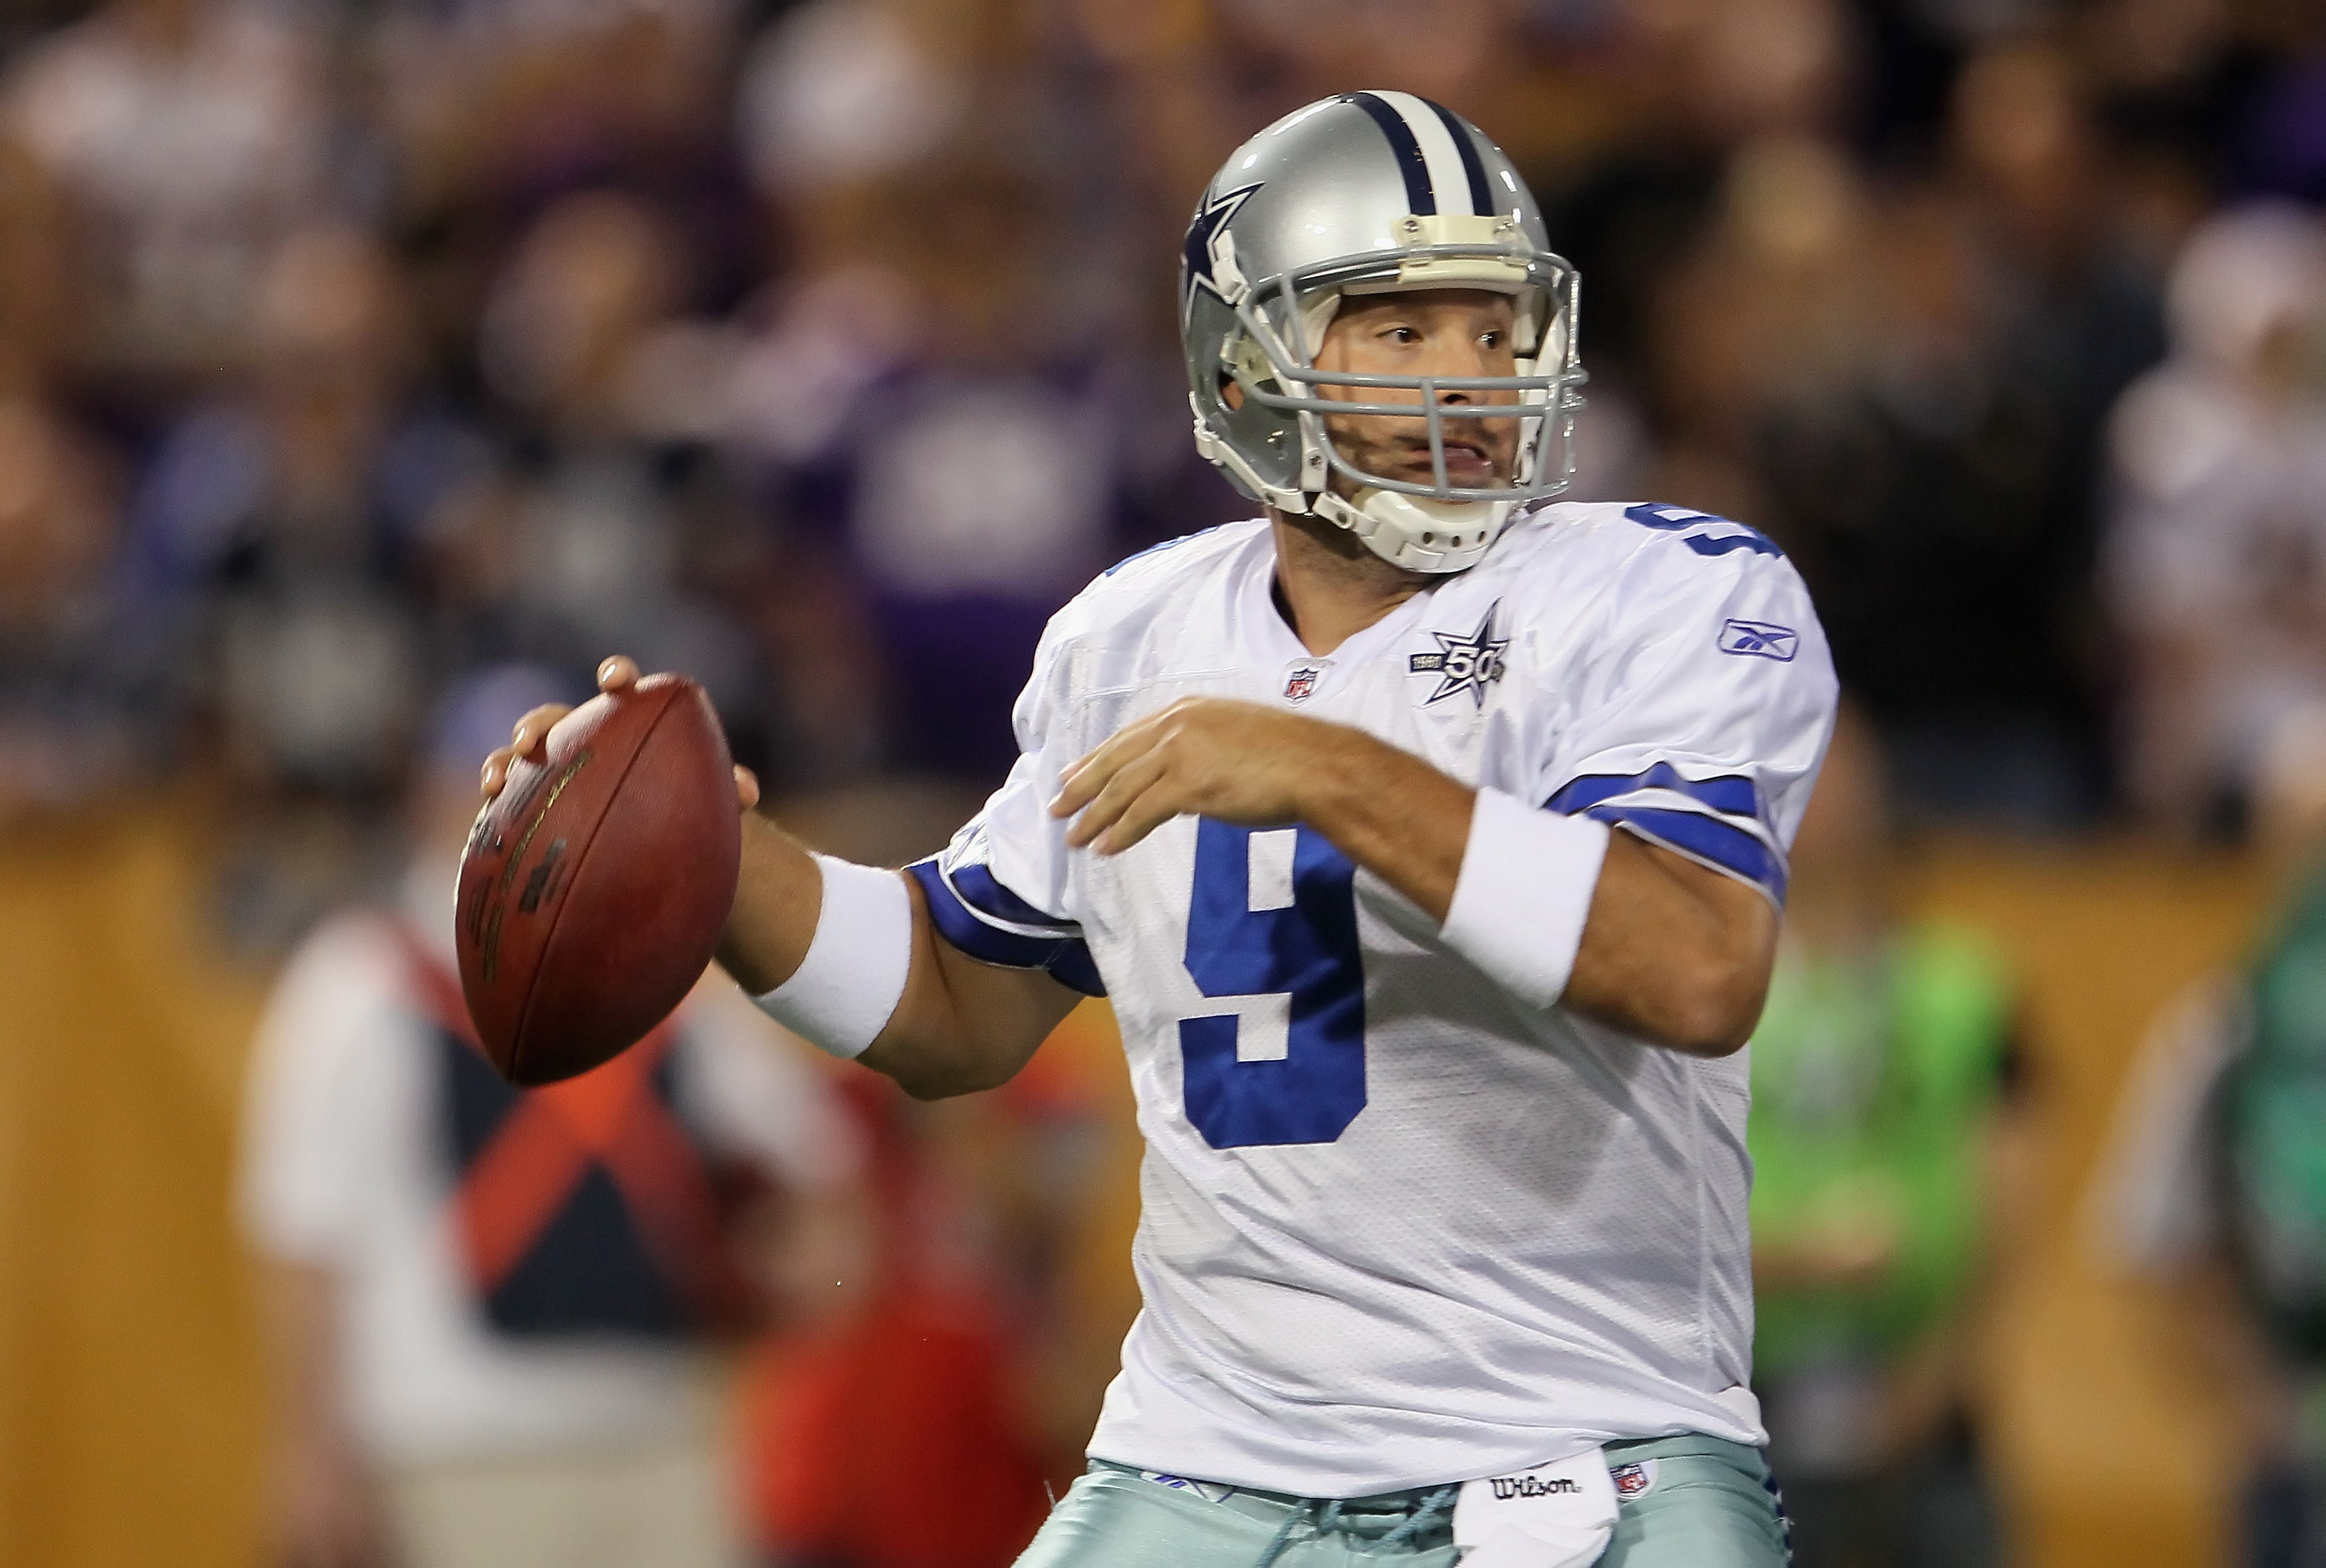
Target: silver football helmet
[{"x": 1371, "y": 192}]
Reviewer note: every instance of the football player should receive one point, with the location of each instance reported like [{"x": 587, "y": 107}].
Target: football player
[{"x": 1428, "y": 839}]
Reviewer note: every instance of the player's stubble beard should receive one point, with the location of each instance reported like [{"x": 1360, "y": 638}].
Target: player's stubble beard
[
  {"x": 1331, "y": 554},
  {"x": 1325, "y": 556}
]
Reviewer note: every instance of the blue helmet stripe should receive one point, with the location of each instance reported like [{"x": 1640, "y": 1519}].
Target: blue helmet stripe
[
  {"x": 1482, "y": 199},
  {"x": 1404, "y": 147}
]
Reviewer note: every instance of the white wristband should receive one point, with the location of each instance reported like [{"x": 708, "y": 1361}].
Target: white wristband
[
  {"x": 1523, "y": 895},
  {"x": 844, "y": 991}
]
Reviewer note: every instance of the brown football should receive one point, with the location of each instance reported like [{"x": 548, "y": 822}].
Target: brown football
[{"x": 595, "y": 885}]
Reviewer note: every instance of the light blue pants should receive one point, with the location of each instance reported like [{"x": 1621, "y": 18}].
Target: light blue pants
[{"x": 1694, "y": 1502}]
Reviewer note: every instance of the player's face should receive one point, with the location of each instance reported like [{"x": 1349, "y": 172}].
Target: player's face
[{"x": 1424, "y": 332}]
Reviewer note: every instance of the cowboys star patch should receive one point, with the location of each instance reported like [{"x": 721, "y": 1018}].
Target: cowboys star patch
[{"x": 1461, "y": 663}]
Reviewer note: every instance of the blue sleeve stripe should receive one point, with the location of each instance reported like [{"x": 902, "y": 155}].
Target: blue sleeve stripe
[
  {"x": 1074, "y": 968},
  {"x": 960, "y": 925},
  {"x": 1733, "y": 795},
  {"x": 1709, "y": 839},
  {"x": 977, "y": 887},
  {"x": 1066, "y": 959}
]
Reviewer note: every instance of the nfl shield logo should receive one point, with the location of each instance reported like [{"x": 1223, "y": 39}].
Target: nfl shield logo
[{"x": 1300, "y": 683}]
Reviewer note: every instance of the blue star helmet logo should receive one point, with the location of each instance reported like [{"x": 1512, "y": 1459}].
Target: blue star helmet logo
[
  {"x": 1470, "y": 664},
  {"x": 1210, "y": 218}
]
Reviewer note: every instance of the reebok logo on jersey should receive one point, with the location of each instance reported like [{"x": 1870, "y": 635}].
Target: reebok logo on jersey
[
  {"x": 1470, "y": 664},
  {"x": 1761, "y": 640},
  {"x": 1507, "y": 1487}
]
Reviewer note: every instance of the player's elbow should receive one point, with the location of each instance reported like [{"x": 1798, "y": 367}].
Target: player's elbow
[
  {"x": 940, "y": 1069},
  {"x": 935, "y": 1087},
  {"x": 1712, "y": 1008},
  {"x": 946, "y": 1082},
  {"x": 940, "y": 1058}
]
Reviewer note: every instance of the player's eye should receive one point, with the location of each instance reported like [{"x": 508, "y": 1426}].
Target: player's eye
[
  {"x": 1490, "y": 339},
  {"x": 1401, "y": 335}
]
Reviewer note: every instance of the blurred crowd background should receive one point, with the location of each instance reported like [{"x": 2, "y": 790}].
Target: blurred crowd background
[{"x": 366, "y": 363}]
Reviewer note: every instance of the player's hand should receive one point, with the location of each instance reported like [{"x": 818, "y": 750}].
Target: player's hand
[
  {"x": 1212, "y": 756},
  {"x": 618, "y": 673}
]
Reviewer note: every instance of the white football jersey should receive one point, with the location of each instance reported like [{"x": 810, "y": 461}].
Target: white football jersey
[{"x": 1399, "y": 1228}]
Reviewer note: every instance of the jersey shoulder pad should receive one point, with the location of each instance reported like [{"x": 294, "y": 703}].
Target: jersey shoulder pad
[
  {"x": 1644, "y": 567},
  {"x": 1627, "y": 528},
  {"x": 1139, "y": 584},
  {"x": 1117, "y": 610}
]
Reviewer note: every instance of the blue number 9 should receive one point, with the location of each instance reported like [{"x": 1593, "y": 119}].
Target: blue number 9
[{"x": 1274, "y": 915}]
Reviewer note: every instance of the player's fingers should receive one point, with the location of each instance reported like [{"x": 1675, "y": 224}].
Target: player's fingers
[
  {"x": 1080, "y": 782},
  {"x": 1137, "y": 775},
  {"x": 534, "y": 727},
  {"x": 1150, "y": 809},
  {"x": 747, "y": 787},
  {"x": 617, "y": 672}
]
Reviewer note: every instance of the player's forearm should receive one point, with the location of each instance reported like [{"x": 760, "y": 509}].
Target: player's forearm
[
  {"x": 956, "y": 1025},
  {"x": 963, "y": 1026},
  {"x": 1673, "y": 953},
  {"x": 777, "y": 898},
  {"x": 1392, "y": 813}
]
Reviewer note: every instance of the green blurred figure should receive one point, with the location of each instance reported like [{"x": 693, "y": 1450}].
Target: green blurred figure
[{"x": 1881, "y": 1071}]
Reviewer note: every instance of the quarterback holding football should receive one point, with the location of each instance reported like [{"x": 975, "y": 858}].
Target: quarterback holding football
[{"x": 1428, "y": 837}]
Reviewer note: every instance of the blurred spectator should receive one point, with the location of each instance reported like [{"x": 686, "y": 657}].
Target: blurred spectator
[
  {"x": 964, "y": 1344},
  {"x": 2211, "y": 1183},
  {"x": 1941, "y": 497},
  {"x": 974, "y": 472},
  {"x": 1882, "y": 1073},
  {"x": 190, "y": 135},
  {"x": 40, "y": 301},
  {"x": 2218, "y": 553},
  {"x": 2174, "y": 77},
  {"x": 486, "y": 1303},
  {"x": 273, "y": 562},
  {"x": 1713, "y": 77},
  {"x": 279, "y": 520},
  {"x": 1772, "y": 309},
  {"x": 2281, "y": 146},
  {"x": 608, "y": 521},
  {"x": 85, "y": 702},
  {"x": 1325, "y": 46},
  {"x": 840, "y": 92},
  {"x": 495, "y": 109}
]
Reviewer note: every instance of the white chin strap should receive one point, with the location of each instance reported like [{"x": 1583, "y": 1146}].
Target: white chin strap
[{"x": 1415, "y": 531}]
